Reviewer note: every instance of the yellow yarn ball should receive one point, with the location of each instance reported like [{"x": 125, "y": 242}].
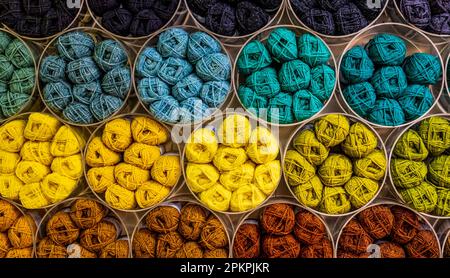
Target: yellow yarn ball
[
  {"x": 200, "y": 177},
  {"x": 31, "y": 172},
  {"x": 435, "y": 132},
  {"x": 98, "y": 155},
  {"x": 228, "y": 158},
  {"x": 32, "y": 196},
  {"x": 246, "y": 197},
  {"x": 372, "y": 166},
  {"x": 335, "y": 201},
  {"x": 239, "y": 176},
  {"x": 234, "y": 131},
  {"x": 10, "y": 187},
  {"x": 361, "y": 191},
  {"x": 117, "y": 135},
  {"x": 422, "y": 198},
  {"x": 37, "y": 151},
  {"x": 267, "y": 176},
  {"x": 11, "y": 136},
  {"x": 8, "y": 162},
  {"x": 411, "y": 146},
  {"x": 407, "y": 173},
  {"x": 41, "y": 127},
  {"x": 439, "y": 171},
  {"x": 217, "y": 197},
  {"x": 297, "y": 169},
  {"x": 100, "y": 178},
  {"x": 119, "y": 197},
  {"x": 148, "y": 131},
  {"x": 66, "y": 142},
  {"x": 130, "y": 176},
  {"x": 151, "y": 193},
  {"x": 142, "y": 155},
  {"x": 201, "y": 146},
  {"x": 308, "y": 146},
  {"x": 331, "y": 130},
  {"x": 56, "y": 187},
  {"x": 336, "y": 170},
  {"x": 166, "y": 170},
  {"x": 263, "y": 147},
  {"x": 310, "y": 193},
  {"x": 360, "y": 141},
  {"x": 71, "y": 166}
]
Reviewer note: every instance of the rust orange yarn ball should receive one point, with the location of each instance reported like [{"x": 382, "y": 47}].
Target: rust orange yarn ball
[
  {"x": 163, "y": 219},
  {"x": 281, "y": 246},
  {"x": 61, "y": 229},
  {"x": 168, "y": 245},
  {"x": 323, "y": 249},
  {"x": 213, "y": 234},
  {"x": 190, "y": 249},
  {"x": 391, "y": 250},
  {"x": 48, "y": 249},
  {"x": 8, "y": 215},
  {"x": 247, "y": 241},
  {"x": 85, "y": 213},
  {"x": 354, "y": 238},
  {"x": 192, "y": 220},
  {"x": 116, "y": 250},
  {"x": 423, "y": 245},
  {"x": 309, "y": 228},
  {"x": 406, "y": 225},
  {"x": 377, "y": 221},
  {"x": 22, "y": 232},
  {"x": 278, "y": 219},
  {"x": 144, "y": 244},
  {"x": 99, "y": 236}
]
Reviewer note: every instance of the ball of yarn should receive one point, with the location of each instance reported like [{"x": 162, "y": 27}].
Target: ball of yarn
[
  {"x": 254, "y": 103},
  {"x": 98, "y": 155},
  {"x": 192, "y": 221},
  {"x": 99, "y": 7},
  {"x": 435, "y": 133},
  {"x": 213, "y": 234},
  {"x": 442, "y": 208},
  {"x": 148, "y": 62},
  {"x": 361, "y": 97},
  {"x": 70, "y": 167},
  {"x": 331, "y": 130},
  {"x": 407, "y": 173},
  {"x": 9, "y": 215},
  {"x": 387, "y": 112},
  {"x": 282, "y": 44},
  {"x": 117, "y": 135},
  {"x": 336, "y": 170},
  {"x": 423, "y": 245},
  {"x": 5, "y": 40},
  {"x": 417, "y": 12},
  {"x": 48, "y": 249},
  {"x": 153, "y": 88},
  {"x": 228, "y": 158},
  {"x": 278, "y": 219},
  {"x": 264, "y": 82},
  {"x": 320, "y": 20},
  {"x": 294, "y": 75},
  {"x": 173, "y": 70},
  {"x": 201, "y": 44},
  {"x": 75, "y": 45},
  {"x": 167, "y": 109},
  {"x": 308, "y": 146},
  {"x": 438, "y": 171},
  {"x": 416, "y": 101},
  {"x": 66, "y": 142},
  {"x": 349, "y": 19},
  {"x": 440, "y": 24},
  {"x": 41, "y": 127},
  {"x": 323, "y": 82},
  {"x": 262, "y": 146},
  {"x": 23, "y": 81},
  {"x": 360, "y": 141},
  {"x": 406, "y": 225},
  {"x": 254, "y": 57},
  {"x": 148, "y": 131},
  {"x": 387, "y": 50},
  {"x": 297, "y": 169},
  {"x": 411, "y": 146},
  {"x": 250, "y": 17},
  {"x": 166, "y": 170},
  {"x": 335, "y": 201},
  {"x": 280, "y": 109},
  {"x": 98, "y": 237},
  {"x": 193, "y": 110},
  {"x": 389, "y": 82},
  {"x": 165, "y": 9},
  {"x": 19, "y": 54},
  {"x": 151, "y": 193},
  {"x": 217, "y": 198},
  {"x": 281, "y": 246},
  {"x": 163, "y": 219},
  {"x": 117, "y": 82},
  {"x": 57, "y": 187},
  {"x": 201, "y": 146},
  {"x": 144, "y": 23},
  {"x": 310, "y": 193},
  {"x": 237, "y": 177},
  {"x": 305, "y": 105},
  {"x": 361, "y": 191},
  {"x": 86, "y": 213},
  {"x": 422, "y": 198},
  {"x": 221, "y": 19},
  {"x": 173, "y": 43},
  {"x": 423, "y": 68},
  {"x": 58, "y": 95},
  {"x": 214, "y": 93},
  {"x": 120, "y": 198},
  {"x": 191, "y": 86},
  {"x": 247, "y": 241},
  {"x": 377, "y": 221},
  {"x": 103, "y": 106},
  {"x": 78, "y": 113},
  {"x": 201, "y": 6},
  {"x": 354, "y": 238},
  {"x": 142, "y": 155},
  {"x": 61, "y": 229},
  {"x": 118, "y": 21},
  {"x": 109, "y": 54},
  {"x": 85, "y": 93},
  {"x": 83, "y": 71},
  {"x": 52, "y": 69},
  {"x": 12, "y": 103},
  {"x": 190, "y": 249},
  {"x": 312, "y": 50},
  {"x": 373, "y": 166},
  {"x": 115, "y": 250},
  {"x": 356, "y": 65},
  {"x": 32, "y": 197},
  {"x": 214, "y": 67},
  {"x": 309, "y": 228},
  {"x": 144, "y": 244},
  {"x": 6, "y": 68}
]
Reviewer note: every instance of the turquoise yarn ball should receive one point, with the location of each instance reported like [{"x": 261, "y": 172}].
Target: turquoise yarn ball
[
  {"x": 254, "y": 57},
  {"x": 173, "y": 43},
  {"x": 84, "y": 93},
  {"x": 19, "y": 54},
  {"x": 305, "y": 105},
  {"x": 83, "y": 70},
  {"x": 201, "y": 44},
  {"x": 117, "y": 82},
  {"x": 187, "y": 87},
  {"x": 323, "y": 82},
  {"x": 280, "y": 109},
  {"x": 53, "y": 69},
  {"x": 264, "y": 82},
  {"x": 12, "y": 103},
  {"x": 214, "y": 67},
  {"x": 104, "y": 106},
  {"x": 252, "y": 101},
  {"x": 360, "y": 97},
  {"x": 75, "y": 45},
  {"x": 167, "y": 109},
  {"x": 110, "y": 54},
  {"x": 416, "y": 101},
  {"x": 312, "y": 50},
  {"x": 282, "y": 43},
  {"x": 152, "y": 89},
  {"x": 6, "y": 69},
  {"x": 193, "y": 110},
  {"x": 78, "y": 113},
  {"x": 387, "y": 112},
  {"x": 5, "y": 40},
  {"x": 356, "y": 66},
  {"x": 148, "y": 62},
  {"x": 294, "y": 75},
  {"x": 389, "y": 82},
  {"x": 214, "y": 93},
  {"x": 173, "y": 70},
  {"x": 423, "y": 69},
  {"x": 23, "y": 81},
  {"x": 58, "y": 95},
  {"x": 387, "y": 50}
]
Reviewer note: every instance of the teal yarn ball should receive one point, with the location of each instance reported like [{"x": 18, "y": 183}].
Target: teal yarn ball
[
  {"x": 23, "y": 81},
  {"x": 193, "y": 109},
  {"x": 264, "y": 82},
  {"x": 253, "y": 102},
  {"x": 254, "y": 57},
  {"x": 387, "y": 112},
  {"x": 110, "y": 54},
  {"x": 78, "y": 113},
  {"x": 305, "y": 105},
  {"x": 5, "y": 40},
  {"x": 167, "y": 109},
  {"x": 389, "y": 82},
  {"x": 387, "y": 50},
  {"x": 58, "y": 95},
  {"x": 12, "y": 103},
  {"x": 323, "y": 82},
  {"x": 214, "y": 93},
  {"x": 187, "y": 87},
  {"x": 312, "y": 50},
  {"x": 148, "y": 63},
  {"x": 83, "y": 70},
  {"x": 416, "y": 101},
  {"x": 6, "y": 69},
  {"x": 282, "y": 43},
  {"x": 117, "y": 82},
  {"x": 201, "y": 44},
  {"x": 3, "y": 87},
  {"x": 84, "y": 93},
  {"x": 356, "y": 66},
  {"x": 75, "y": 45},
  {"x": 173, "y": 70},
  {"x": 280, "y": 109},
  {"x": 294, "y": 75},
  {"x": 423, "y": 69},
  {"x": 19, "y": 54},
  {"x": 214, "y": 67},
  {"x": 360, "y": 97},
  {"x": 53, "y": 69},
  {"x": 173, "y": 43},
  {"x": 104, "y": 106},
  {"x": 152, "y": 89}
]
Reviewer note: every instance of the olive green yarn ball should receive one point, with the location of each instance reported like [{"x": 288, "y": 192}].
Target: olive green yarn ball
[
  {"x": 361, "y": 191},
  {"x": 307, "y": 145},
  {"x": 373, "y": 166},
  {"x": 411, "y": 146},
  {"x": 297, "y": 169},
  {"x": 335, "y": 201},
  {"x": 336, "y": 170},
  {"x": 439, "y": 171},
  {"x": 435, "y": 132},
  {"x": 331, "y": 130},
  {"x": 443, "y": 202},
  {"x": 310, "y": 193},
  {"x": 422, "y": 198},
  {"x": 407, "y": 173},
  {"x": 360, "y": 141}
]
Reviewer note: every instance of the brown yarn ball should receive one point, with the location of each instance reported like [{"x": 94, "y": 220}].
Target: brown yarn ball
[
  {"x": 168, "y": 245},
  {"x": 377, "y": 221},
  {"x": 85, "y": 213},
  {"x": 281, "y": 246},
  {"x": 192, "y": 221},
  {"x": 406, "y": 225},
  {"x": 323, "y": 249},
  {"x": 61, "y": 229},
  {"x": 349, "y": 255},
  {"x": 391, "y": 250},
  {"x": 118, "y": 249},
  {"x": 22, "y": 232},
  {"x": 48, "y": 249},
  {"x": 354, "y": 238},
  {"x": 190, "y": 249},
  {"x": 8, "y": 215},
  {"x": 423, "y": 245},
  {"x": 75, "y": 250},
  {"x": 5, "y": 245},
  {"x": 20, "y": 253},
  {"x": 213, "y": 234},
  {"x": 216, "y": 254},
  {"x": 144, "y": 244},
  {"x": 247, "y": 243},
  {"x": 309, "y": 228},
  {"x": 163, "y": 219},
  {"x": 98, "y": 237},
  {"x": 278, "y": 219}
]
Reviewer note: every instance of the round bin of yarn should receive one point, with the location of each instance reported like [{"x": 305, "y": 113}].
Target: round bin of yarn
[
  {"x": 181, "y": 228},
  {"x": 82, "y": 228},
  {"x": 85, "y": 76},
  {"x": 41, "y": 161},
  {"x": 40, "y": 20},
  {"x": 419, "y": 165},
  {"x": 285, "y": 75},
  {"x": 132, "y": 163},
  {"x": 335, "y": 164},
  {"x": 232, "y": 163},
  {"x": 134, "y": 19},
  {"x": 282, "y": 229},
  {"x": 387, "y": 230},
  {"x": 390, "y": 75},
  {"x": 183, "y": 75}
]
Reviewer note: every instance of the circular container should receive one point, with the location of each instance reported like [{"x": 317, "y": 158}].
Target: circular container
[
  {"x": 98, "y": 36},
  {"x": 415, "y": 42},
  {"x": 444, "y": 104},
  {"x": 442, "y": 228}
]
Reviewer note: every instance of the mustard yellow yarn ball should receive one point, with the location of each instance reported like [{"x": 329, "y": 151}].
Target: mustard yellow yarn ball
[
  {"x": 67, "y": 142},
  {"x": 100, "y": 178},
  {"x": 239, "y": 176},
  {"x": 234, "y": 131},
  {"x": 373, "y": 166},
  {"x": 360, "y": 141},
  {"x": 229, "y": 158},
  {"x": 262, "y": 147},
  {"x": 41, "y": 127},
  {"x": 217, "y": 197},
  {"x": 411, "y": 146},
  {"x": 336, "y": 170},
  {"x": 149, "y": 131},
  {"x": 98, "y": 155},
  {"x": 297, "y": 169},
  {"x": 267, "y": 176},
  {"x": 246, "y": 197},
  {"x": 310, "y": 147},
  {"x": 129, "y": 176},
  {"x": 11, "y": 136},
  {"x": 38, "y": 152},
  {"x": 151, "y": 193},
  {"x": 117, "y": 134},
  {"x": 310, "y": 193},
  {"x": 120, "y": 198},
  {"x": 331, "y": 130},
  {"x": 167, "y": 170},
  {"x": 201, "y": 177}
]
